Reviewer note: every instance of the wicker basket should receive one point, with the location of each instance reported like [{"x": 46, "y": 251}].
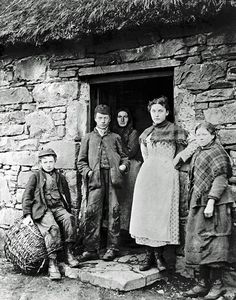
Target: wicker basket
[{"x": 25, "y": 248}]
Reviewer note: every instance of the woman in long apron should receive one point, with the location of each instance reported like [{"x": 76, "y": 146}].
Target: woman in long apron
[{"x": 155, "y": 210}]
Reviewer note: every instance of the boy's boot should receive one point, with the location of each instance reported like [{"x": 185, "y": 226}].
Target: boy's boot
[
  {"x": 53, "y": 270},
  {"x": 89, "y": 255},
  {"x": 203, "y": 284},
  {"x": 70, "y": 259},
  {"x": 217, "y": 287},
  {"x": 110, "y": 254},
  {"x": 158, "y": 252},
  {"x": 148, "y": 261}
]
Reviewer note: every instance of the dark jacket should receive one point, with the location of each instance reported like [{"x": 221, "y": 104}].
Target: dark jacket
[
  {"x": 33, "y": 200},
  {"x": 90, "y": 154}
]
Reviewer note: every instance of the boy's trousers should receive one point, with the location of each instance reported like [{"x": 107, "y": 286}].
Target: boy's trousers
[
  {"x": 102, "y": 204},
  {"x": 56, "y": 225}
]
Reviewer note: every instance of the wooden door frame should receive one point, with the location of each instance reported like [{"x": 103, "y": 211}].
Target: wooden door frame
[{"x": 94, "y": 76}]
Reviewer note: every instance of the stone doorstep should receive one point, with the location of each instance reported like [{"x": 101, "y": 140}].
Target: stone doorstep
[
  {"x": 118, "y": 276},
  {"x": 113, "y": 275}
]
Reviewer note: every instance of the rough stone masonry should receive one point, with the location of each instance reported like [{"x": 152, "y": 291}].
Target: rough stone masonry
[{"x": 45, "y": 101}]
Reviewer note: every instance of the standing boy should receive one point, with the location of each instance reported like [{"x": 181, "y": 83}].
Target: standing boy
[
  {"x": 46, "y": 202},
  {"x": 101, "y": 162}
]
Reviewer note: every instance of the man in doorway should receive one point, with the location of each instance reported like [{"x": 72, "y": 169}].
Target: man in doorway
[{"x": 101, "y": 162}]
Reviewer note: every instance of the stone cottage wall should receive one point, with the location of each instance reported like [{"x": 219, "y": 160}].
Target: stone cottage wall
[
  {"x": 44, "y": 99},
  {"x": 204, "y": 65},
  {"x": 39, "y": 107}
]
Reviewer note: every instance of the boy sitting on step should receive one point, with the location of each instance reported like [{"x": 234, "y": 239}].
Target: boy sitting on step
[{"x": 46, "y": 202}]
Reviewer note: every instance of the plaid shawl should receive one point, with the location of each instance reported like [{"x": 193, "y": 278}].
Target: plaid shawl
[
  {"x": 208, "y": 163},
  {"x": 166, "y": 131}
]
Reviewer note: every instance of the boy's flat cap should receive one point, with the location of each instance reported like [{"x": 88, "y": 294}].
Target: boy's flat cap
[
  {"x": 47, "y": 152},
  {"x": 102, "y": 109}
]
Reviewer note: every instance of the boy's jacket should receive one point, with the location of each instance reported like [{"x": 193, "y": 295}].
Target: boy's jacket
[{"x": 33, "y": 200}]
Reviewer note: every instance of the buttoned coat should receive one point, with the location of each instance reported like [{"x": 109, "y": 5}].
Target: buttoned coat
[
  {"x": 90, "y": 156},
  {"x": 33, "y": 200}
]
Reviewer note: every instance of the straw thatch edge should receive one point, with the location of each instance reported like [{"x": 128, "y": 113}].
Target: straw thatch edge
[{"x": 37, "y": 22}]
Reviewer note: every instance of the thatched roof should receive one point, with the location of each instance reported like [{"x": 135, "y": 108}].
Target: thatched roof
[{"x": 39, "y": 21}]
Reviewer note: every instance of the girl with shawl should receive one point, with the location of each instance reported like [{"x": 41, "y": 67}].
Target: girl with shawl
[
  {"x": 130, "y": 142},
  {"x": 209, "y": 221},
  {"x": 155, "y": 210}
]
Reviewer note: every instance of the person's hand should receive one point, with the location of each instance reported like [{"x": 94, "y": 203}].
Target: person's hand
[
  {"x": 90, "y": 173},
  {"x": 28, "y": 220},
  {"x": 122, "y": 168},
  {"x": 209, "y": 210}
]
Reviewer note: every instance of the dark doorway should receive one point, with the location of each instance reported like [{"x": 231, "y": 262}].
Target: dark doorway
[
  {"x": 133, "y": 91},
  {"x": 134, "y": 94}
]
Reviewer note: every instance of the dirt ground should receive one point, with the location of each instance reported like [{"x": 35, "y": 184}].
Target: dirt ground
[{"x": 16, "y": 286}]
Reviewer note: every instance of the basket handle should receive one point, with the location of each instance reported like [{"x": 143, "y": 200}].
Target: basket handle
[
  {"x": 38, "y": 235},
  {"x": 21, "y": 225}
]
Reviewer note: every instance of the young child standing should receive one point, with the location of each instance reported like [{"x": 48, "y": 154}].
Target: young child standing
[
  {"x": 209, "y": 225},
  {"x": 46, "y": 202},
  {"x": 101, "y": 162}
]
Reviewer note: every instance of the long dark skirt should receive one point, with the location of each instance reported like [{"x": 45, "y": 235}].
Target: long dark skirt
[{"x": 207, "y": 239}]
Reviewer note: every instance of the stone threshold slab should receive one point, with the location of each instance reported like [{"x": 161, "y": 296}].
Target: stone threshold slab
[{"x": 116, "y": 275}]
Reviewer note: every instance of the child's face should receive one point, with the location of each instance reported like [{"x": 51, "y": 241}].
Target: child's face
[
  {"x": 47, "y": 163},
  {"x": 122, "y": 118},
  {"x": 102, "y": 120},
  {"x": 158, "y": 113},
  {"x": 203, "y": 136}
]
